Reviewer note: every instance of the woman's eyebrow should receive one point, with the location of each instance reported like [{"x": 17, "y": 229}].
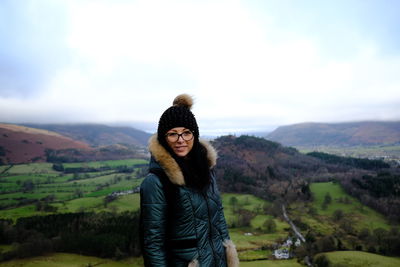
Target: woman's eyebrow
[{"x": 175, "y": 131}]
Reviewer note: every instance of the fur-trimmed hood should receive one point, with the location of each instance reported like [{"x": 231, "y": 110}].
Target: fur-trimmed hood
[{"x": 168, "y": 163}]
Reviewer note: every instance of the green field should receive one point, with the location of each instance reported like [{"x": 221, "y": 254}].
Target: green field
[
  {"x": 24, "y": 187},
  {"x": 71, "y": 260},
  {"x": 106, "y": 163},
  {"x": 393, "y": 151},
  {"x": 244, "y": 201},
  {"x": 361, "y": 259},
  {"x": 5, "y": 248},
  {"x": 254, "y": 236},
  {"x": 32, "y": 168},
  {"x": 3, "y": 168},
  {"x": 341, "y": 258},
  {"x": 344, "y": 258},
  {"x": 271, "y": 263},
  {"x": 361, "y": 215},
  {"x": 250, "y": 203}
]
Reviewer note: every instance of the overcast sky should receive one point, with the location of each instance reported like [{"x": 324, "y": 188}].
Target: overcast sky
[{"x": 250, "y": 65}]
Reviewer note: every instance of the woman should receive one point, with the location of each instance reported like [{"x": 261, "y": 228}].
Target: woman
[{"x": 182, "y": 218}]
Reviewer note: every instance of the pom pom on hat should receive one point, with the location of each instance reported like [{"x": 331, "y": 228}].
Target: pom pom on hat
[
  {"x": 178, "y": 115},
  {"x": 184, "y": 100}
]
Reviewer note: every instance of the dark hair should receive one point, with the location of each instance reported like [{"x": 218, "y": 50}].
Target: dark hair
[{"x": 195, "y": 166}]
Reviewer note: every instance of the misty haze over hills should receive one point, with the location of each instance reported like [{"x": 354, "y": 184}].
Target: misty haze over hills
[
  {"x": 98, "y": 134},
  {"x": 360, "y": 133}
]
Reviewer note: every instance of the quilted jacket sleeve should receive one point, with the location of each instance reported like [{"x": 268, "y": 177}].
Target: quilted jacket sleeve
[{"x": 153, "y": 211}]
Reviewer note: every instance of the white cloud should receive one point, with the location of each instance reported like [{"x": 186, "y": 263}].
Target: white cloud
[{"x": 128, "y": 60}]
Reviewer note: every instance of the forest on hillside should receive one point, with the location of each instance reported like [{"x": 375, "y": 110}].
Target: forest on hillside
[
  {"x": 107, "y": 235},
  {"x": 271, "y": 171}
]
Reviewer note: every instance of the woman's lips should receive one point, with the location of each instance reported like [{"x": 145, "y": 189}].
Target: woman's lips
[{"x": 180, "y": 148}]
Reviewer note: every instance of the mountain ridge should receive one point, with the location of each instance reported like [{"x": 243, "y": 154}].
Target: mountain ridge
[
  {"x": 21, "y": 144},
  {"x": 97, "y": 134},
  {"x": 69, "y": 142},
  {"x": 362, "y": 133}
]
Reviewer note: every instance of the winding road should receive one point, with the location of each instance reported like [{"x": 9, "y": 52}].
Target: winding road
[{"x": 297, "y": 233}]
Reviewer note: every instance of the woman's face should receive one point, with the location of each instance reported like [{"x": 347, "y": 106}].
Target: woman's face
[{"x": 180, "y": 140}]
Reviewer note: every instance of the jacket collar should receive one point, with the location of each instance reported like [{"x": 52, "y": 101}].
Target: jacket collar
[{"x": 168, "y": 163}]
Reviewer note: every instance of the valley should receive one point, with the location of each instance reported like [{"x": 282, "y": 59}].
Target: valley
[
  {"x": 37, "y": 189},
  {"x": 256, "y": 225},
  {"x": 63, "y": 204}
]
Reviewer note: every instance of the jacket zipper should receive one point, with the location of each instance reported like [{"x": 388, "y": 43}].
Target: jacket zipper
[{"x": 209, "y": 227}]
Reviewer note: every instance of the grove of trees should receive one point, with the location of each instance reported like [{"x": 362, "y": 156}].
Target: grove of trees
[{"x": 112, "y": 235}]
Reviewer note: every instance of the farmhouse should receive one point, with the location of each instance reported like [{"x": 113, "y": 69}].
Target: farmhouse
[{"x": 282, "y": 253}]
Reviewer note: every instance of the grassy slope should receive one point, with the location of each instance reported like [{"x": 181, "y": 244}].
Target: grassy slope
[
  {"x": 32, "y": 168},
  {"x": 123, "y": 203},
  {"x": 391, "y": 151},
  {"x": 362, "y": 215},
  {"x": 3, "y": 168},
  {"x": 271, "y": 263},
  {"x": 5, "y": 248},
  {"x": 70, "y": 260},
  {"x": 249, "y": 246},
  {"x": 49, "y": 182},
  {"x": 106, "y": 163},
  {"x": 361, "y": 259},
  {"x": 73, "y": 260}
]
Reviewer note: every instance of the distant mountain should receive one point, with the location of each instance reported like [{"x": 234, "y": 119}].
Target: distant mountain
[
  {"x": 20, "y": 144},
  {"x": 338, "y": 134},
  {"x": 98, "y": 134}
]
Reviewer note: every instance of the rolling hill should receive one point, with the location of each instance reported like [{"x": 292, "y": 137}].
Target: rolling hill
[
  {"x": 98, "y": 134},
  {"x": 20, "y": 144},
  {"x": 271, "y": 171},
  {"x": 248, "y": 164},
  {"x": 69, "y": 143},
  {"x": 366, "y": 133}
]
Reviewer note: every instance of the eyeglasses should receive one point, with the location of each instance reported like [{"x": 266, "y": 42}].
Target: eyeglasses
[{"x": 174, "y": 137}]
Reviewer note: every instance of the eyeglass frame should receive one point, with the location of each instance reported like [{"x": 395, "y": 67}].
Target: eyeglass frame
[{"x": 167, "y": 135}]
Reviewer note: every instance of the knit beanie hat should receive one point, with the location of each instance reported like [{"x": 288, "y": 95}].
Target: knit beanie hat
[{"x": 178, "y": 115}]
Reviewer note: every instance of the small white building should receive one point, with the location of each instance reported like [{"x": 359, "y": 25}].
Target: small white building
[
  {"x": 281, "y": 254},
  {"x": 284, "y": 251}
]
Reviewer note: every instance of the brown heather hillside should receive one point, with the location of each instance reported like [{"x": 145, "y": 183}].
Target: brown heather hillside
[
  {"x": 338, "y": 134},
  {"x": 20, "y": 144},
  {"x": 97, "y": 134}
]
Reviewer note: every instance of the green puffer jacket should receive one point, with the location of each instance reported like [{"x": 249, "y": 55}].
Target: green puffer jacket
[{"x": 180, "y": 225}]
